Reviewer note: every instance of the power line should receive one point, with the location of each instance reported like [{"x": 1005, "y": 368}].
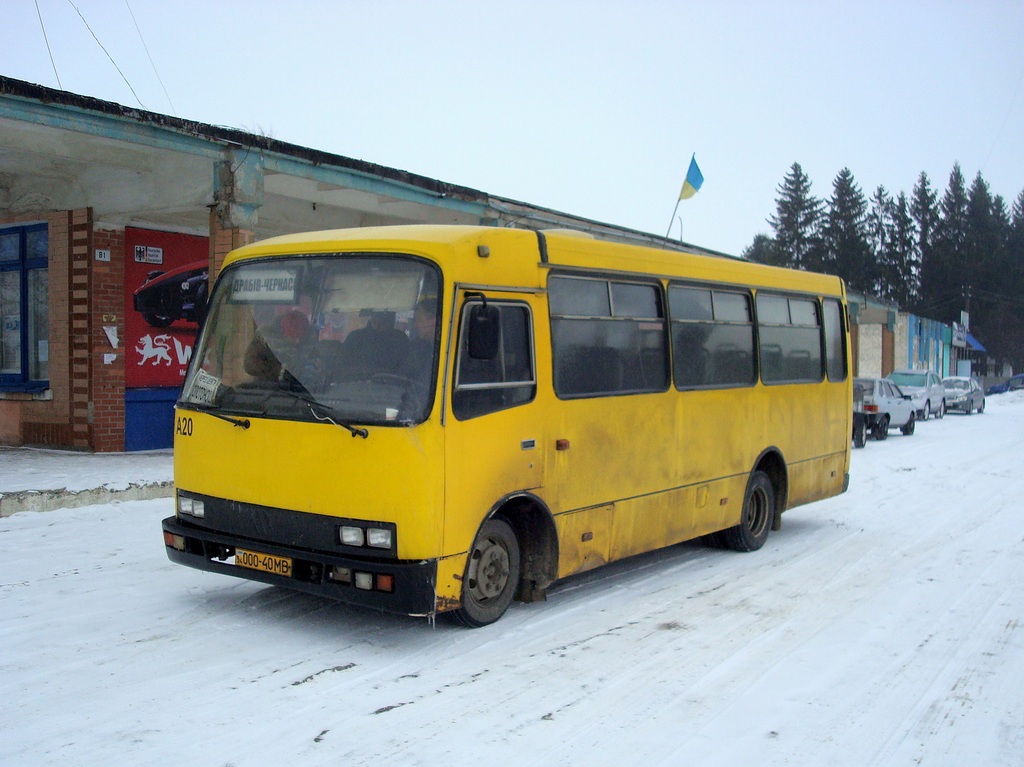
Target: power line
[
  {"x": 151, "y": 63},
  {"x": 47, "y": 41},
  {"x": 108, "y": 54}
]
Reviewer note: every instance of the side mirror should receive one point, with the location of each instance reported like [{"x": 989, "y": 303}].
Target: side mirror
[{"x": 484, "y": 332}]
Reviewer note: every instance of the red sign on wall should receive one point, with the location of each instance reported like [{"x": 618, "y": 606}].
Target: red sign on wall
[{"x": 166, "y": 288}]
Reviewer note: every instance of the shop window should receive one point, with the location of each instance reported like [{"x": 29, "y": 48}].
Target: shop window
[{"x": 24, "y": 308}]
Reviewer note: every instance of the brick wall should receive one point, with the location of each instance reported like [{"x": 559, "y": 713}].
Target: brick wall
[
  {"x": 223, "y": 241},
  {"x": 106, "y": 310},
  {"x": 84, "y": 406},
  {"x": 45, "y": 419},
  {"x": 81, "y": 326}
]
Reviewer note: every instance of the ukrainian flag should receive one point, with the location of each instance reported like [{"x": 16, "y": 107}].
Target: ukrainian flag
[{"x": 694, "y": 178}]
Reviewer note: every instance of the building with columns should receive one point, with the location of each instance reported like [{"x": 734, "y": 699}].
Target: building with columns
[{"x": 112, "y": 221}]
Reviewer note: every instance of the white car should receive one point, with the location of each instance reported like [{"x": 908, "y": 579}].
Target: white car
[
  {"x": 925, "y": 389},
  {"x": 884, "y": 406}
]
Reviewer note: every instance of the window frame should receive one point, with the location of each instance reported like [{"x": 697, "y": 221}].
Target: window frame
[
  {"x": 713, "y": 289},
  {"x": 458, "y": 408},
  {"x": 609, "y": 283},
  {"x": 843, "y": 336},
  {"x": 762, "y": 325},
  {"x": 23, "y": 266}
]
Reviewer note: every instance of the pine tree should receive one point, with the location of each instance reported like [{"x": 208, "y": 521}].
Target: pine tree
[
  {"x": 982, "y": 250},
  {"x": 845, "y": 238},
  {"x": 893, "y": 238},
  {"x": 879, "y": 234},
  {"x": 796, "y": 221},
  {"x": 926, "y": 219},
  {"x": 902, "y": 256},
  {"x": 944, "y": 284},
  {"x": 1013, "y": 323},
  {"x": 763, "y": 251}
]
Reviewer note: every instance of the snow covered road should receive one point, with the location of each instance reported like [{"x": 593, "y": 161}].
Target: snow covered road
[{"x": 878, "y": 628}]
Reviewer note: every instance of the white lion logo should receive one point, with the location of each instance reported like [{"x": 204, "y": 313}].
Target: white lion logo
[{"x": 156, "y": 348}]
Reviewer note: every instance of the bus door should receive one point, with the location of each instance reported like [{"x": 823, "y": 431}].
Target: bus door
[{"x": 494, "y": 425}]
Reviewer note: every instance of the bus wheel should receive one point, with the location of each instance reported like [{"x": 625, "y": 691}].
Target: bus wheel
[
  {"x": 492, "y": 575},
  {"x": 758, "y": 511}
]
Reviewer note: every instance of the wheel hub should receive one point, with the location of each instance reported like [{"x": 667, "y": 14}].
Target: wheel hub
[{"x": 489, "y": 570}]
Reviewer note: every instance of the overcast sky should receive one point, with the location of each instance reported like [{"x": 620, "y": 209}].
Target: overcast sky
[{"x": 592, "y": 108}]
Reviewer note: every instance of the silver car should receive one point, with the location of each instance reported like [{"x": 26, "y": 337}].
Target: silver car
[
  {"x": 964, "y": 394},
  {"x": 925, "y": 389}
]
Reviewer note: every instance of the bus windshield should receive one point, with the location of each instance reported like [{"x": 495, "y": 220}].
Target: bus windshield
[{"x": 347, "y": 339}]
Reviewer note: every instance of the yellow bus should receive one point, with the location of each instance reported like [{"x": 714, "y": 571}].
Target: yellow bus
[{"x": 441, "y": 419}]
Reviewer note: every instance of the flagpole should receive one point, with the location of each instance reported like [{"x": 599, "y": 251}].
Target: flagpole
[
  {"x": 672, "y": 220},
  {"x": 695, "y": 185}
]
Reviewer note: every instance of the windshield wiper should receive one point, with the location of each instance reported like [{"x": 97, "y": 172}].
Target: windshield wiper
[
  {"x": 243, "y": 422},
  {"x": 326, "y": 413}
]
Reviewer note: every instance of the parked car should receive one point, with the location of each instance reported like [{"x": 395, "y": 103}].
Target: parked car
[
  {"x": 925, "y": 389},
  {"x": 1013, "y": 384},
  {"x": 964, "y": 393},
  {"x": 999, "y": 388},
  {"x": 861, "y": 419},
  {"x": 884, "y": 407}
]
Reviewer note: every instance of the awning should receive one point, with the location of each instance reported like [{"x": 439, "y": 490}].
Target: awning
[{"x": 974, "y": 345}]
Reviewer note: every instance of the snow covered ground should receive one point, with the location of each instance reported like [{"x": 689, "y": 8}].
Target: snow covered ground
[
  {"x": 27, "y": 469},
  {"x": 882, "y": 627}
]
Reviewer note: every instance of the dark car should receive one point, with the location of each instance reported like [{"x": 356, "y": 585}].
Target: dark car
[
  {"x": 176, "y": 294},
  {"x": 1013, "y": 384},
  {"x": 964, "y": 393}
]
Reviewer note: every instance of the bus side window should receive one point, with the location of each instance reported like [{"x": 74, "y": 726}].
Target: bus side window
[
  {"x": 607, "y": 337},
  {"x": 835, "y": 340},
  {"x": 713, "y": 336},
  {"x": 791, "y": 339},
  {"x": 507, "y": 379}
]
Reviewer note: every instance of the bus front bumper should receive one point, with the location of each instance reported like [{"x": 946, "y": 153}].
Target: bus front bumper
[{"x": 395, "y": 586}]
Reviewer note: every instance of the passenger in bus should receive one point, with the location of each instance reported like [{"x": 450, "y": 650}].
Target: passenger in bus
[
  {"x": 275, "y": 345},
  {"x": 377, "y": 348}
]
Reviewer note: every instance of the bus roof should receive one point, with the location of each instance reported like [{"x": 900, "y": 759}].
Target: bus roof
[{"x": 551, "y": 249}]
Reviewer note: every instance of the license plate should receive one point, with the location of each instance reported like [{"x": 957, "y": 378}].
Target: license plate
[{"x": 268, "y": 563}]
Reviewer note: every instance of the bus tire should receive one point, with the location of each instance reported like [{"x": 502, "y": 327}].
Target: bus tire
[
  {"x": 492, "y": 575},
  {"x": 758, "y": 512}
]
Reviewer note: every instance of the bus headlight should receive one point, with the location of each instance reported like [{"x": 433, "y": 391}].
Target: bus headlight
[
  {"x": 379, "y": 538},
  {"x": 351, "y": 536},
  {"x": 374, "y": 535},
  {"x": 193, "y": 507}
]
